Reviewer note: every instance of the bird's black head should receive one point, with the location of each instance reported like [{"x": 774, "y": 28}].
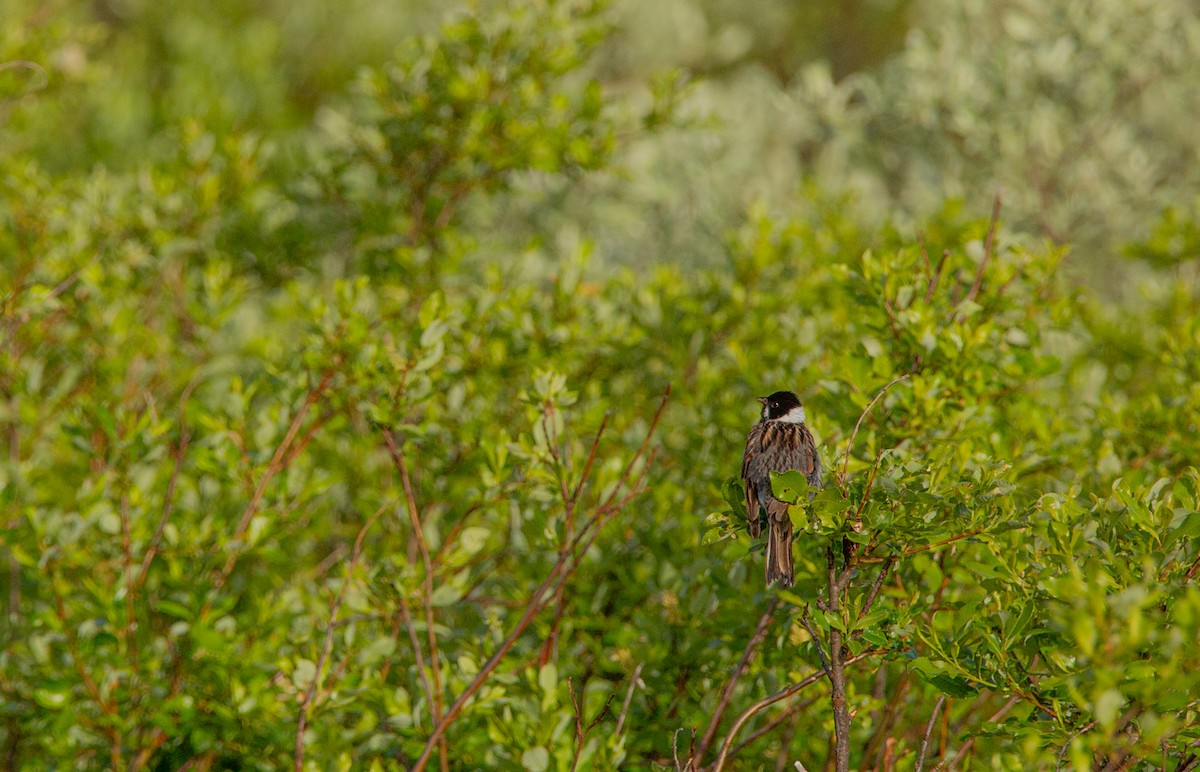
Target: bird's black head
[{"x": 779, "y": 405}]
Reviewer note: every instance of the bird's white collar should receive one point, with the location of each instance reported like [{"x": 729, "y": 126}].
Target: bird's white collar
[{"x": 794, "y": 416}]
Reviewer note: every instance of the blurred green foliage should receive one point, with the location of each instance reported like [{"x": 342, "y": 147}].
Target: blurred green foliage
[{"x": 327, "y": 379}]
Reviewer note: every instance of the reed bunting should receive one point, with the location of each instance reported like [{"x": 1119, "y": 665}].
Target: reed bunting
[{"x": 778, "y": 442}]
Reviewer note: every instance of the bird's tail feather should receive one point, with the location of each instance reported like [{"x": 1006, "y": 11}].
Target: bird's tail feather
[{"x": 779, "y": 545}]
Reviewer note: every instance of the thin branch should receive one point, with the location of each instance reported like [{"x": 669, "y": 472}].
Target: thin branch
[
  {"x": 925, "y": 260},
  {"x": 563, "y": 566},
  {"x": 307, "y": 699},
  {"x": 875, "y": 745},
  {"x": 854, "y": 434},
  {"x": 675, "y": 749},
  {"x": 862, "y": 504},
  {"x": 1063, "y": 752},
  {"x": 766, "y": 702},
  {"x": 591, "y": 458},
  {"x": 129, "y": 634},
  {"x": 1191, "y": 572},
  {"x": 581, "y": 732},
  {"x": 453, "y": 533},
  {"x": 406, "y": 615},
  {"x": 812, "y": 632},
  {"x": 774, "y": 723},
  {"x": 837, "y": 669},
  {"x": 970, "y": 743},
  {"x": 937, "y": 706},
  {"x": 642, "y": 450},
  {"x": 569, "y": 501},
  {"x": 427, "y": 580},
  {"x": 637, "y": 673},
  {"x": 760, "y": 633},
  {"x": 988, "y": 246},
  {"x": 937, "y": 274},
  {"x": 275, "y": 465},
  {"x": 169, "y": 498},
  {"x": 874, "y": 592},
  {"x": 913, "y": 551}
]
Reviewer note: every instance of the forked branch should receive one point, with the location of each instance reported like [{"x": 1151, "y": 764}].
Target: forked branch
[{"x": 565, "y": 565}]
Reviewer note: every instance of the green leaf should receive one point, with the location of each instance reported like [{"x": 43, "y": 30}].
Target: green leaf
[
  {"x": 473, "y": 539},
  {"x": 790, "y": 486},
  {"x": 303, "y": 673},
  {"x": 735, "y": 495},
  {"x": 953, "y": 686},
  {"x": 536, "y": 759},
  {"x": 51, "y": 698},
  {"x": 548, "y": 678},
  {"x": 445, "y": 595}
]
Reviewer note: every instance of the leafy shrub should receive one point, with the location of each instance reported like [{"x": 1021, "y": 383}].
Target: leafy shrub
[{"x": 309, "y": 469}]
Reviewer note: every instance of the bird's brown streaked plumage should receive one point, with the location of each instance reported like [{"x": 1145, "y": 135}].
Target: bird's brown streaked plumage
[{"x": 780, "y": 441}]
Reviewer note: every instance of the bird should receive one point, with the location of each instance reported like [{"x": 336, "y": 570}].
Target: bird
[{"x": 778, "y": 442}]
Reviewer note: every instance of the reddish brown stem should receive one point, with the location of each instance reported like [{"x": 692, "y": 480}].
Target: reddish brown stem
[
  {"x": 569, "y": 500},
  {"x": 563, "y": 566},
  {"x": 858, "y": 424},
  {"x": 837, "y": 673},
  {"x": 988, "y": 246},
  {"x": 427, "y": 583},
  {"x": 766, "y": 702},
  {"x": 275, "y": 466},
  {"x": 760, "y": 633},
  {"x": 937, "y": 706},
  {"x": 307, "y": 699}
]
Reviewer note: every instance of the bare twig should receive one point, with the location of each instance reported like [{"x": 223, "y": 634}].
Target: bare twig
[
  {"x": 937, "y": 706},
  {"x": 988, "y": 246},
  {"x": 569, "y": 501},
  {"x": 766, "y": 702},
  {"x": 129, "y": 633},
  {"x": 970, "y": 743},
  {"x": 637, "y": 673},
  {"x": 913, "y": 551},
  {"x": 1062, "y": 753},
  {"x": 675, "y": 749},
  {"x": 854, "y": 434},
  {"x": 169, "y": 498},
  {"x": 875, "y": 746},
  {"x": 414, "y": 517},
  {"x": 760, "y": 633},
  {"x": 274, "y": 466},
  {"x": 581, "y": 732},
  {"x": 440, "y": 553},
  {"x": 1195, "y": 567},
  {"x": 925, "y": 260},
  {"x": 405, "y": 615},
  {"x": 874, "y": 592},
  {"x": 774, "y": 723},
  {"x": 837, "y": 671},
  {"x": 937, "y": 274},
  {"x": 812, "y": 632},
  {"x": 562, "y": 568},
  {"x": 307, "y": 700},
  {"x": 862, "y": 504}
]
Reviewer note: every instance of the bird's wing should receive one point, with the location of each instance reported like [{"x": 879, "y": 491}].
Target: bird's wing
[
  {"x": 753, "y": 449},
  {"x": 814, "y": 471}
]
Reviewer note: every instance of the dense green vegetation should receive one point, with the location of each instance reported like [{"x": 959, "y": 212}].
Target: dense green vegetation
[{"x": 374, "y": 406}]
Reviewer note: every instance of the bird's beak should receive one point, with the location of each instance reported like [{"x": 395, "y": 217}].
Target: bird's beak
[{"x": 761, "y": 400}]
